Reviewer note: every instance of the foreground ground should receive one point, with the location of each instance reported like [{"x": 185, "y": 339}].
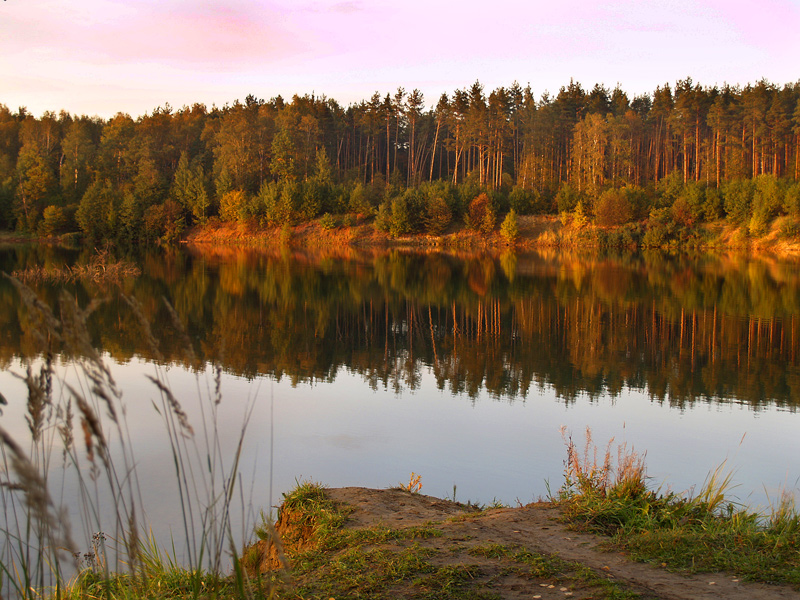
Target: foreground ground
[{"x": 397, "y": 544}]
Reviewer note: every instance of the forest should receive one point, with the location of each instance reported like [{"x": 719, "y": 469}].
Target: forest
[{"x": 683, "y": 155}]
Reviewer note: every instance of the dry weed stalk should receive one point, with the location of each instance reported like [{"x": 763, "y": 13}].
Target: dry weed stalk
[
  {"x": 50, "y": 521},
  {"x": 414, "y": 484},
  {"x": 177, "y": 409},
  {"x": 583, "y": 473},
  {"x": 34, "y": 541},
  {"x": 144, "y": 323}
]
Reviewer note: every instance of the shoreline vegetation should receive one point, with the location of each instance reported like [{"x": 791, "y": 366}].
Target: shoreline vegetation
[
  {"x": 398, "y": 543},
  {"x": 604, "y": 534},
  {"x": 338, "y": 234},
  {"x": 529, "y": 233},
  {"x": 100, "y": 268}
]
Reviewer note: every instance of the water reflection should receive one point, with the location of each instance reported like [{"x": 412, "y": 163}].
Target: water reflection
[{"x": 682, "y": 330}]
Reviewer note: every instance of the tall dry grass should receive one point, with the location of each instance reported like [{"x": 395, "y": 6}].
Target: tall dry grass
[
  {"x": 77, "y": 428},
  {"x": 702, "y": 531},
  {"x": 593, "y": 471}
]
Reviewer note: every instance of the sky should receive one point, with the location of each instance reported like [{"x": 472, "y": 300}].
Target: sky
[{"x": 100, "y": 57}]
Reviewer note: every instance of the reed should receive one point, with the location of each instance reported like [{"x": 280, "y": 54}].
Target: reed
[{"x": 77, "y": 428}]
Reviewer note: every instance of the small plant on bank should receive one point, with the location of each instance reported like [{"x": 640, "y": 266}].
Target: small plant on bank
[
  {"x": 327, "y": 221},
  {"x": 510, "y": 228},
  {"x": 414, "y": 484},
  {"x": 286, "y": 234},
  {"x": 579, "y": 217}
]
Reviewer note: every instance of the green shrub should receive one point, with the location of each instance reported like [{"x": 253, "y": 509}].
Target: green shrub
[
  {"x": 712, "y": 206},
  {"x": 660, "y": 229},
  {"x": 417, "y": 207},
  {"x": 54, "y": 221},
  {"x": 681, "y": 212},
  {"x": 314, "y": 195},
  {"x": 790, "y": 228},
  {"x": 401, "y": 217},
  {"x": 738, "y": 197},
  {"x": 757, "y": 226},
  {"x": 510, "y": 228},
  {"x": 267, "y": 200},
  {"x": 694, "y": 197},
  {"x": 231, "y": 205},
  {"x": 287, "y": 209},
  {"x": 791, "y": 200},
  {"x": 165, "y": 221},
  {"x": 383, "y": 219},
  {"x": 359, "y": 201},
  {"x": 637, "y": 199},
  {"x": 327, "y": 221},
  {"x": 626, "y": 236},
  {"x": 579, "y": 218},
  {"x": 568, "y": 198},
  {"x": 98, "y": 211},
  {"x": 522, "y": 201},
  {"x": 668, "y": 190},
  {"x": 768, "y": 202}
]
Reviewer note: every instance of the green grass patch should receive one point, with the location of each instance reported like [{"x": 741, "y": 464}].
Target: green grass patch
[
  {"x": 356, "y": 572},
  {"x": 537, "y": 566},
  {"x": 693, "y": 534}
]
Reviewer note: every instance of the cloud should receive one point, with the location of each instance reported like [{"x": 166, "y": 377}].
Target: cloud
[
  {"x": 346, "y": 7},
  {"x": 214, "y": 35}
]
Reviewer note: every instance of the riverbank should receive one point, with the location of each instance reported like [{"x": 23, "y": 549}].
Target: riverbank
[
  {"x": 358, "y": 542},
  {"x": 533, "y": 232}
]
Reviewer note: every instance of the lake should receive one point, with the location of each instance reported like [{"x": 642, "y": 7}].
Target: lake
[{"x": 359, "y": 367}]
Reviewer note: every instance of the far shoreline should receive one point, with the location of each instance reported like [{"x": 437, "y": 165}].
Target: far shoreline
[{"x": 535, "y": 233}]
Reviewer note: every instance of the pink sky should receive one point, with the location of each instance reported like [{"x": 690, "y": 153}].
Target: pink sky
[{"x": 104, "y": 56}]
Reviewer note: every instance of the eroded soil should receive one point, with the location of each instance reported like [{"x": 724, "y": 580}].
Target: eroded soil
[{"x": 533, "y": 527}]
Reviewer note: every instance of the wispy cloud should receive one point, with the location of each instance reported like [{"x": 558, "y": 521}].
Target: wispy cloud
[
  {"x": 215, "y": 35},
  {"x": 347, "y": 7}
]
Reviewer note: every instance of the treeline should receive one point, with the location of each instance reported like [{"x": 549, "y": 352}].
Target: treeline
[{"x": 680, "y": 155}]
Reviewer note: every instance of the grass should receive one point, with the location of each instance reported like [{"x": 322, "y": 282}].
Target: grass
[
  {"x": 704, "y": 532},
  {"x": 77, "y": 430}
]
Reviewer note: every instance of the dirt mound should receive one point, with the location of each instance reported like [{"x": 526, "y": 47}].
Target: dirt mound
[{"x": 488, "y": 542}]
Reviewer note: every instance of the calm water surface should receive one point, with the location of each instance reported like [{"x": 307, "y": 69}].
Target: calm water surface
[{"x": 359, "y": 369}]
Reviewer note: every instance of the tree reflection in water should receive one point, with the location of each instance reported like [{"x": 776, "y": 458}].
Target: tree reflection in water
[{"x": 682, "y": 329}]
